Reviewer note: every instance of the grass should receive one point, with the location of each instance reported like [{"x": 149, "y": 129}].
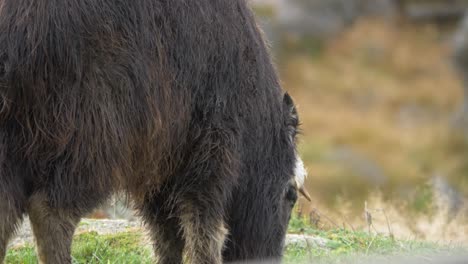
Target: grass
[
  {"x": 93, "y": 248},
  {"x": 343, "y": 245},
  {"x": 339, "y": 246}
]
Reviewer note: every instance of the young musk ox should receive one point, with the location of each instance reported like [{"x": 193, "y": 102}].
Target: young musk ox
[{"x": 174, "y": 102}]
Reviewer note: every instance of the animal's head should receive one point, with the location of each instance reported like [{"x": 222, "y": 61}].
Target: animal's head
[{"x": 271, "y": 183}]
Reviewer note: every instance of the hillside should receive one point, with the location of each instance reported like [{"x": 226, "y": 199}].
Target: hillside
[{"x": 377, "y": 105}]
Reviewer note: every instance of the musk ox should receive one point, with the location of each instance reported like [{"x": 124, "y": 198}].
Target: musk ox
[{"x": 173, "y": 102}]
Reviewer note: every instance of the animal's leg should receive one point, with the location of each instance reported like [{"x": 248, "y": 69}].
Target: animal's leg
[
  {"x": 204, "y": 193},
  {"x": 12, "y": 198},
  {"x": 53, "y": 230},
  {"x": 11, "y": 214},
  {"x": 204, "y": 232},
  {"x": 165, "y": 232}
]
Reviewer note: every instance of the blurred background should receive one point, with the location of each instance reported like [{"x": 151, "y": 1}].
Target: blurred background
[
  {"x": 383, "y": 103},
  {"x": 380, "y": 89}
]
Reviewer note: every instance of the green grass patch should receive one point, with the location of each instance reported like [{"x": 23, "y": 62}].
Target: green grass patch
[
  {"x": 22, "y": 255},
  {"x": 92, "y": 248}
]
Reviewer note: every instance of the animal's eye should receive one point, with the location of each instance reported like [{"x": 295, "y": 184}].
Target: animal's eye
[{"x": 291, "y": 194}]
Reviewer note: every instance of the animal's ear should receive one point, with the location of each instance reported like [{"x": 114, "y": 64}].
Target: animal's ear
[
  {"x": 288, "y": 103},
  {"x": 290, "y": 111}
]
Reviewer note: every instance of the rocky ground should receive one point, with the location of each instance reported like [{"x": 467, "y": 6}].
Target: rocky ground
[{"x": 25, "y": 236}]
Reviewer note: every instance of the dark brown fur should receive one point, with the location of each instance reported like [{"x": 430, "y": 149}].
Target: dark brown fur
[{"x": 174, "y": 102}]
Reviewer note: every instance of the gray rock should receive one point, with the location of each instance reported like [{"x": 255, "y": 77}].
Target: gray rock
[
  {"x": 446, "y": 197},
  {"x": 435, "y": 10},
  {"x": 106, "y": 226},
  {"x": 323, "y": 18},
  {"x": 460, "y": 60},
  {"x": 306, "y": 241}
]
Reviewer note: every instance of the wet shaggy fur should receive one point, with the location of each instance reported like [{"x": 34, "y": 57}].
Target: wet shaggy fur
[{"x": 174, "y": 102}]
